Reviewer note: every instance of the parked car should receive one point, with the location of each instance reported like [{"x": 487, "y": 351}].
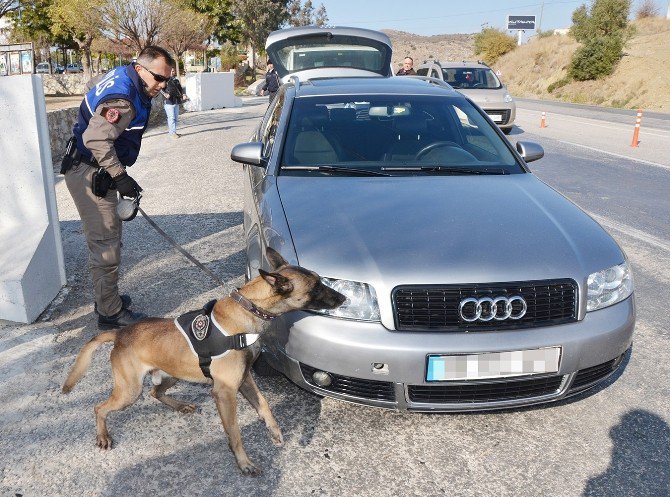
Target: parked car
[
  {"x": 477, "y": 81},
  {"x": 59, "y": 69},
  {"x": 471, "y": 284},
  {"x": 43, "y": 68},
  {"x": 73, "y": 68}
]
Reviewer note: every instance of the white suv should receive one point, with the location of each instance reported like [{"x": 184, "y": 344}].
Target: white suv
[{"x": 479, "y": 83}]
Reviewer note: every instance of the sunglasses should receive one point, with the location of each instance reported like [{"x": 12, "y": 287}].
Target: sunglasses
[{"x": 158, "y": 77}]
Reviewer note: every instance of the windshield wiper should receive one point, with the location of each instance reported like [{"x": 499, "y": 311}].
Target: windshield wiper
[
  {"x": 335, "y": 169},
  {"x": 444, "y": 170}
]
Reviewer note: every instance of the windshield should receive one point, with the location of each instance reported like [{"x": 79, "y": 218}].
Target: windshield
[
  {"x": 393, "y": 134},
  {"x": 465, "y": 77},
  {"x": 320, "y": 51}
]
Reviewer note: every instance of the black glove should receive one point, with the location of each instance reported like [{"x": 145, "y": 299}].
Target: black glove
[{"x": 127, "y": 186}]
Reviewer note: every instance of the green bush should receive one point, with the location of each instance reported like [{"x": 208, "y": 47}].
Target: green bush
[
  {"x": 596, "y": 59},
  {"x": 558, "y": 84},
  {"x": 229, "y": 56},
  {"x": 492, "y": 44}
]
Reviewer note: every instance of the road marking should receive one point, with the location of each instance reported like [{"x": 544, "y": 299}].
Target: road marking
[
  {"x": 615, "y": 126},
  {"x": 647, "y": 162},
  {"x": 632, "y": 232}
]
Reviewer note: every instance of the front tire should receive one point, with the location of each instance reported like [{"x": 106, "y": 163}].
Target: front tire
[{"x": 507, "y": 131}]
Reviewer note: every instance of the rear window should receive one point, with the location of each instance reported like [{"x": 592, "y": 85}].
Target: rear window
[
  {"x": 374, "y": 131},
  {"x": 475, "y": 78},
  {"x": 322, "y": 51}
]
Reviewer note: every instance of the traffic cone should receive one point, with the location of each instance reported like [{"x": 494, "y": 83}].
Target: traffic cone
[
  {"x": 636, "y": 133},
  {"x": 543, "y": 123}
]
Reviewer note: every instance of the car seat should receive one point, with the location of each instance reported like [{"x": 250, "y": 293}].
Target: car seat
[{"x": 409, "y": 138}]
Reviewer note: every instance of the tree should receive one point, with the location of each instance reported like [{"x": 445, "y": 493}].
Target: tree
[
  {"x": 140, "y": 21},
  {"x": 224, "y": 26},
  {"x": 184, "y": 29},
  {"x": 304, "y": 15},
  {"x": 80, "y": 19},
  {"x": 7, "y": 6},
  {"x": 646, "y": 9},
  {"x": 492, "y": 44},
  {"x": 257, "y": 18},
  {"x": 602, "y": 29}
]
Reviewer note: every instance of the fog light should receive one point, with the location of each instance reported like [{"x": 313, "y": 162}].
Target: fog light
[{"x": 322, "y": 378}]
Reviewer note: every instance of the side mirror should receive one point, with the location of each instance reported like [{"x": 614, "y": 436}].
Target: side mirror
[
  {"x": 529, "y": 151},
  {"x": 248, "y": 153}
]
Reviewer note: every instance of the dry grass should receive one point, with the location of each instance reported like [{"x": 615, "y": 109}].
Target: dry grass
[{"x": 639, "y": 81}]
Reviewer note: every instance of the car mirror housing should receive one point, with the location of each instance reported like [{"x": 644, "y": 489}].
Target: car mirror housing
[
  {"x": 530, "y": 151},
  {"x": 248, "y": 153}
]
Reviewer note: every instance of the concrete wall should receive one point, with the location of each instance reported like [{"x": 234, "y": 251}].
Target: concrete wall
[
  {"x": 32, "y": 270},
  {"x": 63, "y": 84}
]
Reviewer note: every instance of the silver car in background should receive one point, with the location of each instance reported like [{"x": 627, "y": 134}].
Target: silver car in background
[
  {"x": 479, "y": 83},
  {"x": 471, "y": 284}
]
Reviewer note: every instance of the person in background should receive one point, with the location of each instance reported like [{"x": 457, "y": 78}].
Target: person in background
[
  {"x": 271, "y": 84},
  {"x": 407, "y": 68},
  {"x": 174, "y": 95},
  {"x": 107, "y": 140}
]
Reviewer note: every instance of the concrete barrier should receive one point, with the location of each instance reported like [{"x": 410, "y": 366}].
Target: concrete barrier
[
  {"x": 32, "y": 269},
  {"x": 211, "y": 90}
]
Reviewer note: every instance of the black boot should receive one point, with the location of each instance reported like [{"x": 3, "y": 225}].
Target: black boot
[
  {"x": 126, "y": 302},
  {"x": 122, "y": 318}
]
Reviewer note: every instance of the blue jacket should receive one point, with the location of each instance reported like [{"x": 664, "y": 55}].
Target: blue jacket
[{"x": 119, "y": 83}]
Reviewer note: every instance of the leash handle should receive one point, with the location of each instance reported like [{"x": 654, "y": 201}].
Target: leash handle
[{"x": 180, "y": 249}]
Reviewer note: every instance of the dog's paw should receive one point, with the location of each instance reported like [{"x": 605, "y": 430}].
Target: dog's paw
[
  {"x": 187, "y": 408},
  {"x": 250, "y": 470},
  {"x": 104, "y": 442},
  {"x": 276, "y": 438}
]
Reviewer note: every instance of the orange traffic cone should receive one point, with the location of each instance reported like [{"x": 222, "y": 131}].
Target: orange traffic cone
[
  {"x": 543, "y": 123},
  {"x": 636, "y": 133}
]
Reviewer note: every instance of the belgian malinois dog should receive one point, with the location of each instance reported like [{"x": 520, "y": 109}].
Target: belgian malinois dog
[{"x": 157, "y": 345}]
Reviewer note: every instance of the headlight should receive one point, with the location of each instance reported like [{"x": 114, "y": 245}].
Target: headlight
[
  {"x": 361, "y": 303},
  {"x": 508, "y": 98},
  {"x": 609, "y": 286}
]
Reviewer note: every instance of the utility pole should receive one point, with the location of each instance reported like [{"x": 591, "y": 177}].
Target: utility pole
[
  {"x": 539, "y": 24},
  {"x": 667, "y": 16}
]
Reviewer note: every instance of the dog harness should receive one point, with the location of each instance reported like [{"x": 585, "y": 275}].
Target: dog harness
[{"x": 207, "y": 339}]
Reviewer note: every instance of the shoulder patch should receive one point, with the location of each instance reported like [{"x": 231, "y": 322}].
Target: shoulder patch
[{"x": 112, "y": 115}]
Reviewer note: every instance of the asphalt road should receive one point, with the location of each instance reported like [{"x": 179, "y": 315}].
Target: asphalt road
[{"x": 610, "y": 442}]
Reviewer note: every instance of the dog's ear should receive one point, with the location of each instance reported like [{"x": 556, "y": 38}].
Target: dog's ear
[
  {"x": 275, "y": 258},
  {"x": 281, "y": 284}
]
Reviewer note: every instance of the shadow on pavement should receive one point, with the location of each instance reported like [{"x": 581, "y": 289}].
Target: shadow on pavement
[{"x": 639, "y": 458}]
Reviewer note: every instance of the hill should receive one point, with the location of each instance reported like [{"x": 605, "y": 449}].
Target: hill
[
  {"x": 639, "y": 81},
  {"x": 420, "y": 48}
]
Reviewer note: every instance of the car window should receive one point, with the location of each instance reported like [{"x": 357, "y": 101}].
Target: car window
[
  {"x": 469, "y": 77},
  {"x": 269, "y": 130},
  {"x": 376, "y": 131},
  {"x": 433, "y": 74},
  {"x": 422, "y": 72}
]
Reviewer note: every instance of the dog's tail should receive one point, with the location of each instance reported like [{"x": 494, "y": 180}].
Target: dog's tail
[{"x": 84, "y": 359}]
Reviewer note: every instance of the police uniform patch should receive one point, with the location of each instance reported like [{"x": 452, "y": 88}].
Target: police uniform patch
[
  {"x": 112, "y": 115},
  {"x": 199, "y": 327}
]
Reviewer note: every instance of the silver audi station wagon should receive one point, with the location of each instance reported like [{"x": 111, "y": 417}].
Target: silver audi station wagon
[{"x": 470, "y": 283}]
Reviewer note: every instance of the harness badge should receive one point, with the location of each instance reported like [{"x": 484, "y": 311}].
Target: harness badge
[
  {"x": 199, "y": 327},
  {"x": 112, "y": 115}
]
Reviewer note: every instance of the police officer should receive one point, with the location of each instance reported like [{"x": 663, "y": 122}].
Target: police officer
[
  {"x": 108, "y": 134},
  {"x": 272, "y": 83}
]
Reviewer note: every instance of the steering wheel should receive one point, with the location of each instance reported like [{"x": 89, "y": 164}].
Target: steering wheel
[
  {"x": 429, "y": 148},
  {"x": 477, "y": 85}
]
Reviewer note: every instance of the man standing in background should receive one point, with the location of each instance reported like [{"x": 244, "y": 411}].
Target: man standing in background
[
  {"x": 407, "y": 68},
  {"x": 272, "y": 83}
]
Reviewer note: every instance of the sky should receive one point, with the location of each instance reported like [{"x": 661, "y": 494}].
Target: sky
[{"x": 431, "y": 17}]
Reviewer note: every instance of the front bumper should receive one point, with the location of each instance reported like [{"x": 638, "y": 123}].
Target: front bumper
[
  {"x": 502, "y": 113},
  {"x": 299, "y": 343}
]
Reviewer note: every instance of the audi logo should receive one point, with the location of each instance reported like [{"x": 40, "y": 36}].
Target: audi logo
[{"x": 486, "y": 309}]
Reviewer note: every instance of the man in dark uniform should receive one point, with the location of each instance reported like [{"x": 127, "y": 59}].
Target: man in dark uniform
[
  {"x": 112, "y": 119},
  {"x": 407, "y": 68},
  {"x": 272, "y": 83}
]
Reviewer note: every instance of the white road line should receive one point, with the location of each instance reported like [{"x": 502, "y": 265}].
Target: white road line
[
  {"x": 642, "y": 161},
  {"x": 615, "y": 126},
  {"x": 633, "y": 232}
]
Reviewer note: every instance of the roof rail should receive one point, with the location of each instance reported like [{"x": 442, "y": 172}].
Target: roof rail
[{"x": 435, "y": 81}]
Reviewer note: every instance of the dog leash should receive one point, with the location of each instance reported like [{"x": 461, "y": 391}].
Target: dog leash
[{"x": 204, "y": 269}]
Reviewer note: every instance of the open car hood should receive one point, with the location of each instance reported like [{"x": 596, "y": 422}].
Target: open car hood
[{"x": 311, "y": 52}]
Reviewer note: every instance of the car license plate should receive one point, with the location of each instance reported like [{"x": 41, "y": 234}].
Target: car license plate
[
  {"x": 493, "y": 364},
  {"x": 497, "y": 118}
]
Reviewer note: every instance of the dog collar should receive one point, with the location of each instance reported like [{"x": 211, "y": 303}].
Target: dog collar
[{"x": 251, "y": 307}]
